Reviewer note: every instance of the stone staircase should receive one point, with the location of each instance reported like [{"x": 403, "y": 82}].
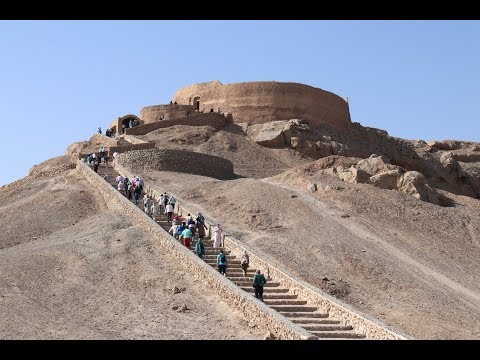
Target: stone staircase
[{"x": 275, "y": 295}]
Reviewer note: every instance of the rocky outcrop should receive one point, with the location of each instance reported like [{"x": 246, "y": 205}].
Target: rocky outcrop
[
  {"x": 451, "y": 165},
  {"x": 377, "y": 172},
  {"x": 52, "y": 167},
  {"x": 278, "y": 133},
  {"x": 272, "y": 134},
  {"x": 91, "y": 146}
]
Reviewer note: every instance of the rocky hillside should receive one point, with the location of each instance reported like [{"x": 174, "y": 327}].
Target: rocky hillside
[{"x": 388, "y": 225}]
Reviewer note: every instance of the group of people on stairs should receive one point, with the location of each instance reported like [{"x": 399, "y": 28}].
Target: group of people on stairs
[{"x": 186, "y": 230}]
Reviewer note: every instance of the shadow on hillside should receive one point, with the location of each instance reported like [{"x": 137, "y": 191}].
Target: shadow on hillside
[{"x": 234, "y": 129}]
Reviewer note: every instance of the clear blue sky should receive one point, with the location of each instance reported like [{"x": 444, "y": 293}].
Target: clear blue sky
[{"x": 60, "y": 80}]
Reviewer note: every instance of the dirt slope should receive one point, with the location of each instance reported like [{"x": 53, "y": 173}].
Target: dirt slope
[
  {"x": 409, "y": 263},
  {"x": 70, "y": 269},
  {"x": 249, "y": 158}
]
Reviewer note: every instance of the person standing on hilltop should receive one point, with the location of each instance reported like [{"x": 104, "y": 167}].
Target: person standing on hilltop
[
  {"x": 99, "y": 130},
  {"x": 218, "y": 236}
]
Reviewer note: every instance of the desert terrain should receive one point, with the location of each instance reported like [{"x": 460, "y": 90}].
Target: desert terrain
[{"x": 73, "y": 269}]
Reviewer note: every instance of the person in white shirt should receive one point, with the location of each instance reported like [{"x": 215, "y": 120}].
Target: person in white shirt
[
  {"x": 218, "y": 236},
  {"x": 174, "y": 231},
  {"x": 146, "y": 203},
  {"x": 169, "y": 212}
]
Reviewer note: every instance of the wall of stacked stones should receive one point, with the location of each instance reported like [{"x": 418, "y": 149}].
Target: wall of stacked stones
[
  {"x": 316, "y": 297},
  {"x": 198, "y": 119},
  {"x": 263, "y": 316},
  {"x": 264, "y": 101},
  {"x": 154, "y": 113},
  {"x": 125, "y": 148},
  {"x": 178, "y": 160}
]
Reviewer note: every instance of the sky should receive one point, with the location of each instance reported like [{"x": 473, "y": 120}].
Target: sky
[{"x": 61, "y": 80}]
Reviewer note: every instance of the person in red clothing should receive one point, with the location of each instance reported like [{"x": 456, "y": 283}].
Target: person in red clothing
[{"x": 186, "y": 235}]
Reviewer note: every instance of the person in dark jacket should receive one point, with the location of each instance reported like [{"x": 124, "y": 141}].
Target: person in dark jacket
[{"x": 258, "y": 282}]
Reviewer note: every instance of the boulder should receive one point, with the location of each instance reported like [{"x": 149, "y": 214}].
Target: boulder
[
  {"x": 353, "y": 175},
  {"x": 412, "y": 183},
  {"x": 373, "y": 165},
  {"x": 448, "y": 162},
  {"x": 386, "y": 180},
  {"x": 271, "y": 134}
]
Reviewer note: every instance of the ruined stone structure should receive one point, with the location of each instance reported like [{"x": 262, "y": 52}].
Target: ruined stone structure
[
  {"x": 216, "y": 120},
  {"x": 178, "y": 160},
  {"x": 150, "y": 114},
  {"x": 124, "y": 120},
  {"x": 250, "y": 102},
  {"x": 264, "y": 101}
]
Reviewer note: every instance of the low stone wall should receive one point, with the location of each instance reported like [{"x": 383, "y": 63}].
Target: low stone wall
[
  {"x": 199, "y": 119},
  {"x": 178, "y": 160},
  {"x": 125, "y": 148},
  {"x": 155, "y": 113},
  {"x": 254, "y": 310},
  {"x": 315, "y": 296}
]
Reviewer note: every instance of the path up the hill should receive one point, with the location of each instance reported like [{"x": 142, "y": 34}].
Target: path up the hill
[{"x": 276, "y": 296}]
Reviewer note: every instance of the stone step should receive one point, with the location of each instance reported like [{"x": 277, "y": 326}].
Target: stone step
[
  {"x": 276, "y": 297},
  {"x": 208, "y": 257},
  {"x": 300, "y": 314},
  {"x": 250, "y": 289},
  {"x": 326, "y": 327},
  {"x": 284, "y": 302},
  {"x": 215, "y": 252},
  {"x": 215, "y": 249},
  {"x": 307, "y": 321},
  {"x": 279, "y": 296},
  {"x": 232, "y": 267},
  {"x": 229, "y": 262},
  {"x": 239, "y": 273},
  {"x": 338, "y": 334},
  {"x": 294, "y": 308},
  {"x": 249, "y": 282},
  {"x": 240, "y": 277}
]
